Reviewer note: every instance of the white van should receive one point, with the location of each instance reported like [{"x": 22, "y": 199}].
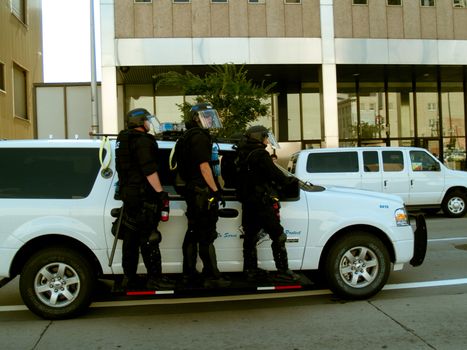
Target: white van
[{"x": 412, "y": 173}]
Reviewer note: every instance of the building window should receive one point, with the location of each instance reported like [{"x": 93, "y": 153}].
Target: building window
[
  {"x": 143, "y": 1},
  {"x": 20, "y": 92},
  {"x": 220, "y": 1},
  {"x": 293, "y": 1},
  {"x": 394, "y": 2},
  {"x": 181, "y": 1},
  {"x": 359, "y": 2},
  {"x": 459, "y": 3},
  {"x": 18, "y": 8},
  {"x": 2, "y": 77},
  {"x": 427, "y": 3},
  {"x": 256, "y": 1}
]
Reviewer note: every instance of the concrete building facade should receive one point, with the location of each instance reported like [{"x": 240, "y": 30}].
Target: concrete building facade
[
  {"x": 348, "y": 72},
  {"x": 20, "y": 66}
]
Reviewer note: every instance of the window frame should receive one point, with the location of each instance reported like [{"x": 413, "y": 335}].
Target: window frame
[
  {"x": 462, "y": 4},
  {"x": 257, "y": 2},
  {"x": 421, "y": 3},
  {"x": 2, "y": 77},
  {"x": 181, "y": 1},
  {"x": 16, "y": 67},
  {"x": 20, "y": 13}
]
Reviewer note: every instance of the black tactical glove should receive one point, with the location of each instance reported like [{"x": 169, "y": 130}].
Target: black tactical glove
[
  {"x": 219, "y": 198},
  {"x": 163, "y": 196}
]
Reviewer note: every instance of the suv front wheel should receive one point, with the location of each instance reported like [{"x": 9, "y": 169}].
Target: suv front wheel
[
  {"x": 357, "y": 266},
  {"x": 57, "y": 283}
]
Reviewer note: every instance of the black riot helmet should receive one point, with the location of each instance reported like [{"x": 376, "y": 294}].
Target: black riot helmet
[
  {"x": 136, "y": 117},
  {"x": 260, "y": 133},
  {"x": 204, "y": 116}
]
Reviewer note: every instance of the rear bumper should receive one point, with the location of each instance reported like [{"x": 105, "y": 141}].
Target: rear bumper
[{"x": 420, "y": 241}]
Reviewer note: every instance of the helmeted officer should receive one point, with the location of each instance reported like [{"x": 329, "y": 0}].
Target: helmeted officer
[
  {"x": 142, "y": 195},
  {"x": 202, "y": 195},
  {"x": 258, "y": 188}
]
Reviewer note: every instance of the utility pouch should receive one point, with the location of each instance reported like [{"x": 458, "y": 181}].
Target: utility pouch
[{"x": 202, "y": 198}]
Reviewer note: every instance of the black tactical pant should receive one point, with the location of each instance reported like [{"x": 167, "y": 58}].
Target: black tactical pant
[
  {"x": 202, "y": 218},
  {"x": 140, "y": 221},
  {"x": 261, "y": 212}
]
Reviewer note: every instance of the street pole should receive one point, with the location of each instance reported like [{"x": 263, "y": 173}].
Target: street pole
[{"x": 94, "y": 109}]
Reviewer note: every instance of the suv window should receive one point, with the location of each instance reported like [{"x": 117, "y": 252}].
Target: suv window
[
  {"x": 60, "y": 173},
  {"x": 332, "y": 162}
]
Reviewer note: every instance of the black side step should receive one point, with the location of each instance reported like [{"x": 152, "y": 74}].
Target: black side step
[{"x": 239, "y": 285}]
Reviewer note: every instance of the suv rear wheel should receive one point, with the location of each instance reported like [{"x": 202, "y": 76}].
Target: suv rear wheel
[
  {"x": 357, "y": 266},
  {"x": 57, "y": 283}
]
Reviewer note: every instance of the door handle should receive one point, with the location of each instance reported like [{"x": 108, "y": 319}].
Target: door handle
[
  {"x": 411, "y": 182},
  {"x": 385, "y": 183}
]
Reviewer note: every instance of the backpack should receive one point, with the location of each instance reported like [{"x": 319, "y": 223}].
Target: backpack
[
  {"x": 178, "y": 160},
  {"x": 242, "y": 172}
]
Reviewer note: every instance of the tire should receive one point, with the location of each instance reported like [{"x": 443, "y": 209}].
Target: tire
[
  {"x": 57, "y": 283},
  {"x": 357, "y": 266},
  {"x": 454, "y": 204}
]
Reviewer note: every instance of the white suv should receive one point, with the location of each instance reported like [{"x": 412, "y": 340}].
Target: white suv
[{"x": 56, "y": 197}]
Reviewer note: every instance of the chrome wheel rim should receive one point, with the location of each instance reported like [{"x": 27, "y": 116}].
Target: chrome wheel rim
[
  {"x": 359, "y": 267},
  {"x": 456, "y": 205},
  {"x": 57, "y": 285}
]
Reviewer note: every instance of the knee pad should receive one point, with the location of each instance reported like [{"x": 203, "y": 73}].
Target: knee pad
[
  {"x": 155, "y": 237},
  {"x": 280, "y": 240}
]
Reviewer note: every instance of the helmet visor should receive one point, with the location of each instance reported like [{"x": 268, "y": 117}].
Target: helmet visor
[
  {"x": 272, "y": 140},
  {"x": 209, "y": 119},
  {"x": 154, "y": 125}
]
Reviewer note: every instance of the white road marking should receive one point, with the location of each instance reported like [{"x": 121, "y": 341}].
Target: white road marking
[
  {"x": 410, "y": 285},
  {"x": 434, "y": 240}
]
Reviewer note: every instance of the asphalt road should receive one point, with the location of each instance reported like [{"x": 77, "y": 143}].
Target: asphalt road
[{"x": 420, "y": 308}]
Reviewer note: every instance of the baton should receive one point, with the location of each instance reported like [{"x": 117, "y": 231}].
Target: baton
[{"x": 114, "y": 246}]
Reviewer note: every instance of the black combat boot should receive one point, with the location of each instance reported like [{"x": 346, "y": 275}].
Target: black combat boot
[
  {"x": 191, "y": 276},
  {"x": 283, "y": 274},
  {"x": 212, "y": 277},
  {"x": 153, "y": 262},
  {"x": 250, "y": 265}
]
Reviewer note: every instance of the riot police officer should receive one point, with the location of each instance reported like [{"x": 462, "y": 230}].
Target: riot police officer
[
  {"x": 202, "y": 195},
  {"x": 142, "y": 195},
  {"x": 259, "y": 182}
]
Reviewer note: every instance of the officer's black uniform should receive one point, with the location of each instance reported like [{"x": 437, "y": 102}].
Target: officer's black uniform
[
  {"x": 136, "y": 158},
  {"x": 260, "y": 204},
  {"x": 202, "y": 211}
]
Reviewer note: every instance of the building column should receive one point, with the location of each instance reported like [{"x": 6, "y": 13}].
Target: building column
[
  {"x": 328, "y": 75},
  {"x": 109, "y": 123}
]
